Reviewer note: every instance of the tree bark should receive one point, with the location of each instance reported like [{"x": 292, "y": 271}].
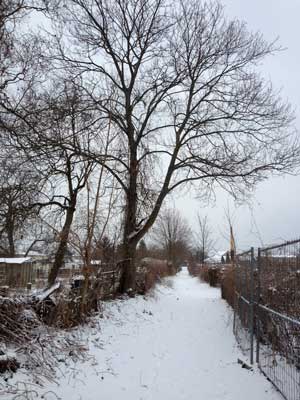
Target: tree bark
[
  {"x": 10, "y": 233},
  {"x": 60, "y": 253},
  {"x": 130, "y": 226},
  {"x": 11, "y": 242},
  {"x": 128, "y": 279}
]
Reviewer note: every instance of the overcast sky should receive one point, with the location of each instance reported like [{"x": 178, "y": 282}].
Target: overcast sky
[{"x": 275, "y": 213}]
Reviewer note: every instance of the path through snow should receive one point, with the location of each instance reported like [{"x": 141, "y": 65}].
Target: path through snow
[{"x": 176, "y": 345}]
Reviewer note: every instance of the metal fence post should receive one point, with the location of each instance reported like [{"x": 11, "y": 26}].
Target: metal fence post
[
  {"x": 252, "y": 306},
  {"x": 257, "y": 306},
  {"x": 235, "y": 296}
]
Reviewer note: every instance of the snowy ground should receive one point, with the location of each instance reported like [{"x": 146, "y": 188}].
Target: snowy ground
[{"x": 176, "y": 344}]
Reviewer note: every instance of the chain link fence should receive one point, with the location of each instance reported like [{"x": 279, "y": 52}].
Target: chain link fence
[
  {"x": 267, "y": 313},
  {"x": 278, "y": 317},
  {"x": 243, "y": 306}
]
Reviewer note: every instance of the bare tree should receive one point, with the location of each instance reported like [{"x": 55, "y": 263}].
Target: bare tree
[
  {"x": 178, "y": 82},
  {"x": 104, "y": 250},
  {"x": 19, "y": 49},
  {"x": 172, "y": 232},
  {"x": 204, "y": 240},
  {"x": 76, "y": 182},
  {"x": 10, "y": 13},
  {"x": 67, "y": 118},
  {"x": 42, "y": 127},
  {"x": 38, "y": 236},
  {"x": 19, "y": 189}
]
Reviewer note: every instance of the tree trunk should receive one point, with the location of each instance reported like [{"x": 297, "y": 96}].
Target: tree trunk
[
  {"x": 11, "y": 242},
  {"x": 60, "y": 253},
  {"x": 130, "y": 226},
  {"x": 10, "y": 232},
  {"x": 128, "y": 280}
]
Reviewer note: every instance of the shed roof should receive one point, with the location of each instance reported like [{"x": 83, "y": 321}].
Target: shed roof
[
  {"x": 15, "y": 260},
  {"x": 216, "y": 257}
]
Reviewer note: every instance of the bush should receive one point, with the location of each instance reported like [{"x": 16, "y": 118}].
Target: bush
[
  {"x": 203, "y": 273},
  {"x": 17, "y": 320},
  {"x": 224, "y": 277},
  {"x": 194, "y": 269},
  {"x": 210, "y": 275},
  {"x": 8, "y": 364},
  {"x": 228, "y": 285},
  {"x": 150, "y": 272}
]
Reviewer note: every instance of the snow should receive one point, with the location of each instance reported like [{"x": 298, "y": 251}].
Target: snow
[
  {"x": 78, "y": 277},
  {"x": 96, "y": 262},
  {"x": 15, "y": 260},
  {"x": 134, "y": 233},
  {"x": 44, "y": 294},
  {"x": 175, "y": 344},
  {"x": 7, "y": 356}
]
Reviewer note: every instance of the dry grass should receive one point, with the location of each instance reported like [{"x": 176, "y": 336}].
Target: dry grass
[
  {"x": 37, "y": 348},
  {"x": 17, "y": 320}
]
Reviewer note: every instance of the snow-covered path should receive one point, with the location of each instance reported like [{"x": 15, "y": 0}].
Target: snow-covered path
[{"x": 176, "y": 345}]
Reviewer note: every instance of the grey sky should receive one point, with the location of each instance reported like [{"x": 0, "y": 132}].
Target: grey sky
[{"x": 275, "y": 213}]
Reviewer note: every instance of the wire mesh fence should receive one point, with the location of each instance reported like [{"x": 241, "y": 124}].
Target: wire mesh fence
[
  {"x": 267, "y": 313},
  {"x": 278, "y": 317},
  {"x": 243, "y": 308}
]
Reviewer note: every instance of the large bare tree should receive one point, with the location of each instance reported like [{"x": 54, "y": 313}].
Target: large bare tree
[{"x": 179, "y": 83}]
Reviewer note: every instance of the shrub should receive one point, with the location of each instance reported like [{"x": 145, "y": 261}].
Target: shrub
[
  {"x": 17, "y": 320},
  {"x": 203, "y": 273},
  {"x": 210, "y": 275},
  {"x": 8, "y": 363},
  {"x": 194, "y": 269},
  {"x": 150, "y": 272},
  {"x": 228, "y": 284}
]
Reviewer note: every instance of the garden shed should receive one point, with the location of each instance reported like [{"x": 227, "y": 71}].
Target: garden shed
[{"x": 16, "y": 272}]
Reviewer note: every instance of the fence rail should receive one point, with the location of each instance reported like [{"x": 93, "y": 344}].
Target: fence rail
[{"x": 267, "y": 312}]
